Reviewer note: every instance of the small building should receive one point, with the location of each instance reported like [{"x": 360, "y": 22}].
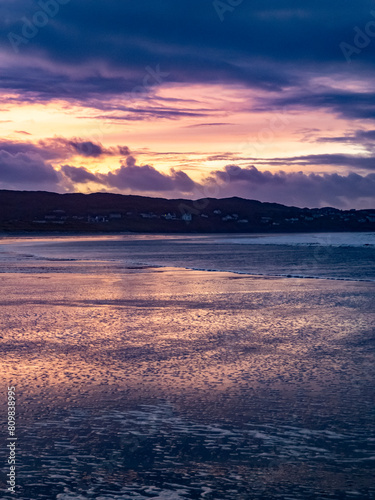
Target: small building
[
  {"x": 97, "y": 219},
  {"x": 292, "y": 220},
  {"x": 169, "y": 216}
]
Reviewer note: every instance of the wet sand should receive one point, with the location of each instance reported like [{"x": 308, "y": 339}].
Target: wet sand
[{"x": 169, "y": 383}]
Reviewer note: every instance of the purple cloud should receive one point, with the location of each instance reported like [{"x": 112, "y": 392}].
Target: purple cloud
[
  {"x": 133, "y": 177},
  {"x": 289, "y": 188},
  {"x": 76, "y": 147},
  {"x": 78, "y": 175},
  {"x": 14, "y": 148},
  {"x": 147, "y": 179},
  {"x": 26, "y": 170},
  {"x": 58, "y": 148},
  {"x": 22, "y": 167},
  {"x": 296, "y": 188},
  {"x": 329, "y": 159},
  {"x": 87, "y": 148}
]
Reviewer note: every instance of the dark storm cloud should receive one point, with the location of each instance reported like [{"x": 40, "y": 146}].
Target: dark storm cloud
[{"x": 108, "y": 47}]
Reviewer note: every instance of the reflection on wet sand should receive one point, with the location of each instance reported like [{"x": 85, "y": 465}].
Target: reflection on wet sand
[{"x": 168, "y": 383}]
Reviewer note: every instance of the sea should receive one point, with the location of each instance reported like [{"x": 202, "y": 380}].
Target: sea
[
  {"x": 216, "y": 367},
  {"x": 345, "y": 256}
]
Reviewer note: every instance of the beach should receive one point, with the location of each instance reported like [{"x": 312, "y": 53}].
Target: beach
[
  {"x": 187, "y": 250},
  {"x": 135, "y": 381}
]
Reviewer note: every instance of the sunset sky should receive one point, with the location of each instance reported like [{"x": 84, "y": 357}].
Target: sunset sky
[{"x": 266, "y": 100}]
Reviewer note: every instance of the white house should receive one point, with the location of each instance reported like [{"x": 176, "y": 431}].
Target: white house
[{"x": 169, "y": 216}]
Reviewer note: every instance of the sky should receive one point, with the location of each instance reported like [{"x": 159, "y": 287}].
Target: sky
[{"x": 266, "y": 100}]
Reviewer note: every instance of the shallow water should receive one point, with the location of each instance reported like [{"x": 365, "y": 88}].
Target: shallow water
[
  {"x": 142, "y": 382},
  {"x": 327, "y": 255}
]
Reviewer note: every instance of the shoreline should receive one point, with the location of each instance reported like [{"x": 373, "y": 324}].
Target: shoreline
[
  {"x": 55, "y": 253},
  {"x": 167, "y": 268}
]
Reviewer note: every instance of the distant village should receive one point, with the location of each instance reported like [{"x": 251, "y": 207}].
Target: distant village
[
  {"x": 60, "y": 217},
  {"x": 25, "y": 211}
]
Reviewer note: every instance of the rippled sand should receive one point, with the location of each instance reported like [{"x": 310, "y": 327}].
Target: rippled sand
[{"x": 173, "y": 384}]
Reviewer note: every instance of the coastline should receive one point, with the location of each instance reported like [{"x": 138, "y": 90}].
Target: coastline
[{"x": 276, "y": 232}]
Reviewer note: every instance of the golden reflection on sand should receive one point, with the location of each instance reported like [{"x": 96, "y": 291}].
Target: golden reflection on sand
[{"x": 165, "y": 331}]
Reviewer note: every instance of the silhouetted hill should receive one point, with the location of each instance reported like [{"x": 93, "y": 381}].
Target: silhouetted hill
[{"x": 36, "y": 211}]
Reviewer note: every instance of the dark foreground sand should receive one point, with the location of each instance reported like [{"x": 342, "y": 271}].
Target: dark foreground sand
[{"x": 175, "y": 384}]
